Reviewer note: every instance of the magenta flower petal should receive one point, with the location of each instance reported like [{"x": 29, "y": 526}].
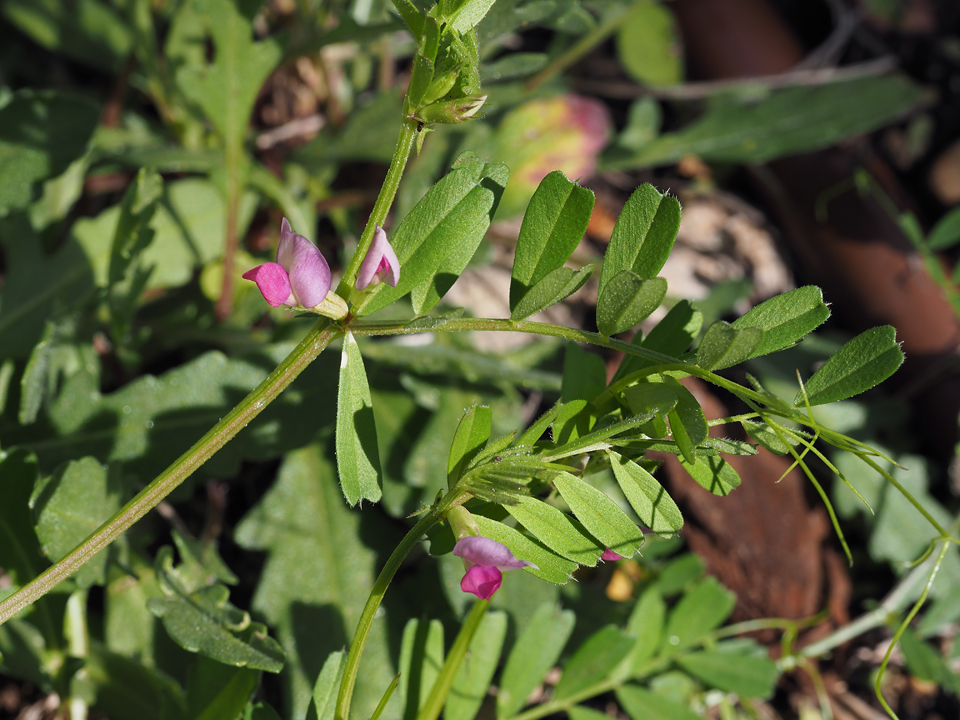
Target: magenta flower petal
[
  {"x": 273, "y": 283},
  {"x": 489, "y": 553},
  {"x": 482, "y": 581},
  {"x": 609, "y": 556},
  {"x": 309, "y": 273},
  {"x": 380, "y": 262}
]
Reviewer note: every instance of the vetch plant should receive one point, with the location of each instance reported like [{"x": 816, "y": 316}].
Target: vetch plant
[{"x": 574, "y": 487}]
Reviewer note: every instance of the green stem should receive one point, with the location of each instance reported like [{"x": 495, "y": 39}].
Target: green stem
[
  {"x": 441, "y": 688},
  {"x": 408, "y": 134},
  {"x": 345, "y": 696},
  {"x": 312, "y": 345}
]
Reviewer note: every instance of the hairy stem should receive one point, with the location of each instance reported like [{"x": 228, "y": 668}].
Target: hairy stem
[
  {"x": 352, "y": 665},
  {"x": 312, "y": 345}
]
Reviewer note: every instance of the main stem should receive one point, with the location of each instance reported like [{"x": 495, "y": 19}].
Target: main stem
[
  {"x": 312, "y": 345},
  {"x": 345, "y": 696}
]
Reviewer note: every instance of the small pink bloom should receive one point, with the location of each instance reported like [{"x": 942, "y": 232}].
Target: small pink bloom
[
  {"x": 300, "y": 276},
  {"x": 609, "y": 556},
  {"x": 380, "y": 263},
  {"x": 484, "y": 559}
]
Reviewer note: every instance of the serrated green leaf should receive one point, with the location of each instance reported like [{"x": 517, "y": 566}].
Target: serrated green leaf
[
  {"x": 652, "y": 504},
  {"x": 41, "y": 133},
  {"x": 472, "y": 681},
  {"x": 358, "y": 457},
  {"x": 600, "y": 515},
  {"x": 594, "y": 661},
  {"x": 712, "y": 473},
  {"x": 227, "y": 88},
  {"x": 328, "y": 684},
  {"x": 701, "y": 610},
  {"x": 557, "y": 530},
  {"x": 641, "y": 704},
  {"x": 471, "y": 436},
  {"x": 687, "y": 422},
  {"x": 550, "y": 566},
  {"x": 553, "y": 226},
  {"x": 748, "y": 674},
  {"x": 752, "y": 129},
  {"x": 437, "y": 239},
  {"x": 219, "y": 692},
  {"x": 421, "y": 657},
  {"x": 866, "y": 360},
  {"x": 643, "y": 236},
  {"x": 785, "y": 319},
  {"x": 317, "y": 575},
  {"x": 626, "y": 300},
  {"x": 648, "y": 45},
  {"x": 69, "y": 506},
  {"x": 558, "y": 285},
  {"x": 724, "y": 346},
  {"x": 536, "y": 651}
]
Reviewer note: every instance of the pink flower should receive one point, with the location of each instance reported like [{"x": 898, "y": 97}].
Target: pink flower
[
  {"x": 299, "y": 277},
  {"x": 484, "y": 559},
  {"x": 380, "y": 263},
  {"x": 609, "y": 556}
]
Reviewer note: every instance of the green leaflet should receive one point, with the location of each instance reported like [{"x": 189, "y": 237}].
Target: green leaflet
[
  {"x": 687, "y": 422},
  {"x": 712, "y": 473},
  {"x": 558, "y": 285},
  {"x": 553, "y": 225},
  {"x": 647, "y": 45},
  {"x": 599, "y": 514},
  {"x": 785, "y": 319},
  {"x": 652, "y": 504},
  {"x": 358, "y": 458},
  {"x": 551, "y": 567},
  {"x": 327, "y": 685},
  {"x": 471, "y": 436},
  {"x": 421, "y": 657},
  {"x": 594, "y": 661},
  {"x": 643, "y": 236},
  {"x": 863, "y": 362},
  {"x": 724, "y": 346},
  {"x": 626, "y": 300},
  {"x": 701, "y": 610},
  {"x": 557, "y": 530},
  {"x": 472, "y": 681}
]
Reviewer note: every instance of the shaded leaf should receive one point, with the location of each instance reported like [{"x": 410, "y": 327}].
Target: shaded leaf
[
  {"x": 536, "y": 651},
  {"x": 701, "y": 610},
  {"x": 641, "y": 704},
  {"x": 219, "y": 692},
  {"x": 19, "y": 546},
  {"x": 558, "y": 285},
  {"x": 594, "y": 661},
  {"x": 626, "y": 300},
  {"x": 712, "y": 473},
  {"x": 687, "y": 421},
  {"x": 648, "y": 45},
  {"x": 744, "y": 669},
  {"x": 41, "y": 133},
  {"x": 472, "y": 681},
  {"x": 328, "y": 684},
  {"x": 471, "y": 436},
  {"x": 421, "y": 657}
]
